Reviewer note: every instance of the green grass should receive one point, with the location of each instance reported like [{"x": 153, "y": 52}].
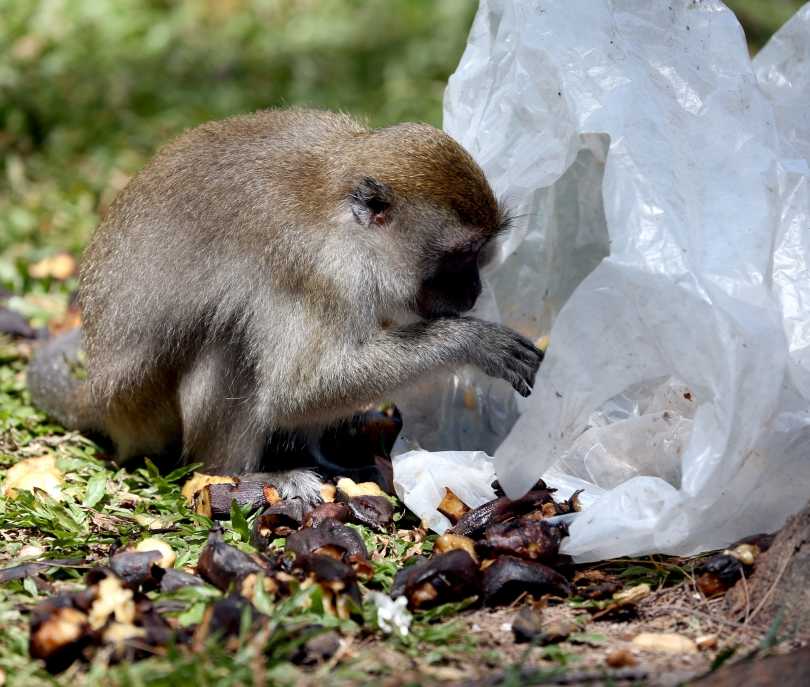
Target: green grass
[{"x": 103, "y": 506}]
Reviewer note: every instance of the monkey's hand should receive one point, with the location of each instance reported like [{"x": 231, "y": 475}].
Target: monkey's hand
[{"x": 502, "y": 352}]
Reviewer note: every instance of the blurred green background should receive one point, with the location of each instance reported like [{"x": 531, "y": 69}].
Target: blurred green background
[{"x": 89, "y": 88}]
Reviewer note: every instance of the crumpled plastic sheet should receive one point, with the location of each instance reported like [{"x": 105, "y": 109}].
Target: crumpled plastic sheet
[{"x": 661, "y": 187}]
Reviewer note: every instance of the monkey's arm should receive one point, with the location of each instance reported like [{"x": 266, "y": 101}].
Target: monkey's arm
[{"x": 399, "y": 356}]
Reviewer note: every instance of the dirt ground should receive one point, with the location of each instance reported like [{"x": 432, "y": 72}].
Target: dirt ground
[{"x": 496, "y": 659}]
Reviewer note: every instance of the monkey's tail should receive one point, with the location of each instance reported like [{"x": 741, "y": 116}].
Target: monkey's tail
[{"x": 56, "y": 381}]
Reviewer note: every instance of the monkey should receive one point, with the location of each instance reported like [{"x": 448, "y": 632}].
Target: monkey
[{"x": 270, "y": 273}]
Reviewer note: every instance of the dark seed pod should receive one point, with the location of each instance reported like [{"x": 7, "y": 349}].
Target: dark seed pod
[
  {"x": 524, "y": 538},
  {"x": 337, "y": 511},
  {"x": 174, "y": 579},
  {"x": 137, "y": 569},
  {"x": 375, "y": 512},
  {"x": 330, "y": 535},
  {"x": 217, "y": 498},
  {"x": 451, "y": 576},
  {"x": 279, "y": 520},
  {"x": 473, "y": 523},
  {"x": 718, "y": 574},
  {"x": 224, "y": 619},
  {"x": 223, "y": 565},
  {"x": 509, "y": 577},
  {"x": 331, "y": 574}
]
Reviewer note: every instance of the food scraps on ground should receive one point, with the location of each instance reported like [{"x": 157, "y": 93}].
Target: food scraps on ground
[
  {"x": 496, "y": 553},
  {"x": 34, "y": 473},
  {"x": 719, "y": 573}
]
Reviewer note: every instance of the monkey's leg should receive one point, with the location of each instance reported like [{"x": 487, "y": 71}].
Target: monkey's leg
[
  {"x": 220, "y": 427},
  {"x": 215, "y": 398}
]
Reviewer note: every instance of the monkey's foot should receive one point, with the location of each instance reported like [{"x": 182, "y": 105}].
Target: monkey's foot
[{"x": 303, "y": 484}]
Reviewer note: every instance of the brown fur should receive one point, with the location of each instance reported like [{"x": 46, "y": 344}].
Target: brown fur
[{"x": 237, "y": 285}]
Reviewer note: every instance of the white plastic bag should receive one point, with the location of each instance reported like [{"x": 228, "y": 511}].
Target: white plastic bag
[{"x": 663, "y": 185}]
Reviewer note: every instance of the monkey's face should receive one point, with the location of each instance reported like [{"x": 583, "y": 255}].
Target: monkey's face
[
  {"x": 428, "y": 257},
  {"x": 439, "y": 259},
  {"x": 451, "y": 281}
]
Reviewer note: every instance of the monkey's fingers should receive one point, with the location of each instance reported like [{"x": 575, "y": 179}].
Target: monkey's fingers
[
  {"x": 519, "y": 375},
  {"x": 519, "y": 384},
  {"x": 527, "y": 372},
  {"x": 527, "y": 351},
  {"x": 530, "y": 358}
]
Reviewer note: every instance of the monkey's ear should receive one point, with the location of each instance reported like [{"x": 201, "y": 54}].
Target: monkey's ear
[{"x": 371, "y": 201}]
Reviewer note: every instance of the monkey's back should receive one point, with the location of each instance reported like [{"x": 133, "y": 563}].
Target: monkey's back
[{"x": 174, "y": 262}]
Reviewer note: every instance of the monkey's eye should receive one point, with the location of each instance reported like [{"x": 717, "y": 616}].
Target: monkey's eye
[
  {"x": 370, "y": 202},
  {"x": 377, "y": 205}
]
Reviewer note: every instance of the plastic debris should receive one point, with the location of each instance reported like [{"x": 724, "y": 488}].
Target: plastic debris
[
  {"x": 661, "y": 188},
  {"x": 392, "y": 614}
]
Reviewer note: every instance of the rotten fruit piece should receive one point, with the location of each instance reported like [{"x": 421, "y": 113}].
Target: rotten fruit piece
[
  {"x": 223, "y": 565},
  {"x": 452, "y": 507},
  {"x": 328, "y": 493},
  {"x": 331, "y": 536},
  {"x": 167, "y": 554},
  {"x": 451, "y": 542},
  {"x": 718, "y": 574},
  {"x": 509, "y": 577},
  {"x": 375, "y": 512},
  {"x": 59, "y": 633},
  {"x": 348, "y": 488},
  {"x": 524, "y": 538},
  {"x": 452, "y": 576},
  {"x": 500, "y": 510},
  {"x": 135, "y": 568},
  {"x": 279, "y": 520},
  {"x": 199, "y": 480},
  {"x": 570, "y": 505},
  {"x": 722, "y": 571},
  {"x": 174, "y": 579},
  {"x": 113, "y": 600},
  {"x": 223, "y": 619},
  {"x": 338, "y": 511},
  {"x": 353, "y": 445},
  {"x": 337, "y": 580},
  {"x": 214, "y": 500},
  {"x": 34, "y": 473}
]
